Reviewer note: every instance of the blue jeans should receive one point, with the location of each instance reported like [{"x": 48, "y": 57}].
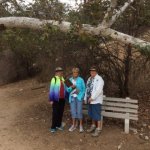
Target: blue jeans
[{"x": 76, "y": 108}]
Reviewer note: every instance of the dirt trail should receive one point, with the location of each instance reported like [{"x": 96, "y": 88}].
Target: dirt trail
[{"x": 25, "y": 120}]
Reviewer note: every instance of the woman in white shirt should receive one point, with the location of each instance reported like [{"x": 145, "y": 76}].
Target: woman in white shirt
[{"x": 94, "y": 98}]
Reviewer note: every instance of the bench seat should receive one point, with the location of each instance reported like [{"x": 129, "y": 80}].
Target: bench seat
[{"x": 121, "y": 108}]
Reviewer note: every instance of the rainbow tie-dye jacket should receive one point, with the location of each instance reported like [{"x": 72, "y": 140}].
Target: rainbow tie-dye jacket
[{"x": 55, "y": 88}]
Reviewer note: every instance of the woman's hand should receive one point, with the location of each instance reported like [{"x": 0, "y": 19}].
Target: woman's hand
[
  {"x": 85, "y": 101},
  {"x": 90, "y": 100},
  {"x": 51, "y": 102},
  {"x": 73, "y": 86},
  {"x": 76, "y": 92}
]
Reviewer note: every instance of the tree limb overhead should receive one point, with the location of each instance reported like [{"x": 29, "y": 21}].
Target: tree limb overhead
[
  {"x": 109, "y": 22},
  {"x": 37, "y": 24}
]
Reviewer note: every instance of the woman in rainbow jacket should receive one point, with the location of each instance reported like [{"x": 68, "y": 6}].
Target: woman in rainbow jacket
[
  {"x": 57, "y": 95},
  {"x": 76, "y": 96}
]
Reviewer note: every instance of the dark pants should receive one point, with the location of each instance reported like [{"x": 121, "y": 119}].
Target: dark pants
[{"x": 57, "y": 114}]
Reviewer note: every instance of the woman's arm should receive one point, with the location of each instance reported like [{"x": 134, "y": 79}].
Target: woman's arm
[
  {"x": 69, "y": 89},
  {"x": 85, "y": 95},
  {"x": 82, "y": 88},
  {"x": 51, "y": 89}
]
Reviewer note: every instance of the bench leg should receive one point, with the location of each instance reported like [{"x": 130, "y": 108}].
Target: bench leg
[
  {"x": 101, "y": 122},
  {"x": 126, "y": 126}
]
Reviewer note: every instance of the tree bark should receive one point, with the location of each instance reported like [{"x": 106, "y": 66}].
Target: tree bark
[{"x": 127, "y": 71}]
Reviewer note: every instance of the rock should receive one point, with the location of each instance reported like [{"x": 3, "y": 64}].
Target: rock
[
  {"x": 144, "y": 124},
  {"x": 43, "y": 120},
  {"x": 149, "y": 127},
  {"x": 134, "y": 130},
  {"x": 81, "y": 140},
  {"x": 142, "y": 129},
  {"x": 146, "y": 138},
  {"x": 31, "y": 119},
  {"x": 20, "y": 90},
  {"x": 119, "y": 146},
  {"x": 141, "y": 135}
]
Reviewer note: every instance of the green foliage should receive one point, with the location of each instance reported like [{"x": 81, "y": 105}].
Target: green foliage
[
  {"x": 47, "y": 9},
  {"x": 134, "y": 18},
  {"x": 144, "y": 50},
  {"x": 49, "y": 31},
  {"x": 18, "y": 41},
  {"x": 89, "y": 13}
]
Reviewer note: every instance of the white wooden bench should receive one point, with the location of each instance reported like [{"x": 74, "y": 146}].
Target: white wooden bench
[{"x": 121, "y": 108}]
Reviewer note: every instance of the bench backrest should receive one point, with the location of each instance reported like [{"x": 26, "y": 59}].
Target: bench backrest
[{"x": 120, "y": 108}]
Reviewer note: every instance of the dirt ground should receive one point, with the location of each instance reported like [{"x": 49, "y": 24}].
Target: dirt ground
[{"x": 25, "y": 118}]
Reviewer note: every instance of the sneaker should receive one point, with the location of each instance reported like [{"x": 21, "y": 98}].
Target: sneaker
[
  {"x": 96, "y": 133},
  {"x": 72, "y": 128},
  {"x": 81, "y": 129},
  {"x": 91, "y": 129},
  {"x": 52, "y": 130},
  {"x": 60, "y": 128}
]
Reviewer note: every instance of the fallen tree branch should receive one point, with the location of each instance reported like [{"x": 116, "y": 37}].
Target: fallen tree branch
[
  {"x": 38, "y": 87},
  {"x": 37, "y": 24},
  {"x": 125, "y": 38}
]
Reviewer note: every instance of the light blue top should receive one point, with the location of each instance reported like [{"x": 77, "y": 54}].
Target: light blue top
[{"x": 80, "y": 85}]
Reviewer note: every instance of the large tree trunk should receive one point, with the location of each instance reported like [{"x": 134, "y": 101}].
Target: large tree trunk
[
  {"x": 33, "y": 23},
  {"x": 127, "y": 71}
]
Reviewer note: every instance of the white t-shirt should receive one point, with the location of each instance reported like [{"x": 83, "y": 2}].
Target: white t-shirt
[{"x": 73, "y": 92}]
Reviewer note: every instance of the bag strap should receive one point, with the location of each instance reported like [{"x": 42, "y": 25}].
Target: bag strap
[{"x": 55, "y": 79}]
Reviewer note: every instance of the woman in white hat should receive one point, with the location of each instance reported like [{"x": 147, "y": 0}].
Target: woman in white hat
[{"x": 94, "y": 98}]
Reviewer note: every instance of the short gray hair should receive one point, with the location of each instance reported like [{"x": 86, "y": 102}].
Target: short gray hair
[{"x": 75, "y": 69}]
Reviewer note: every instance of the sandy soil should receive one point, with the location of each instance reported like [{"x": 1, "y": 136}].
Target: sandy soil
[{"x": 25, "y": 117}]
